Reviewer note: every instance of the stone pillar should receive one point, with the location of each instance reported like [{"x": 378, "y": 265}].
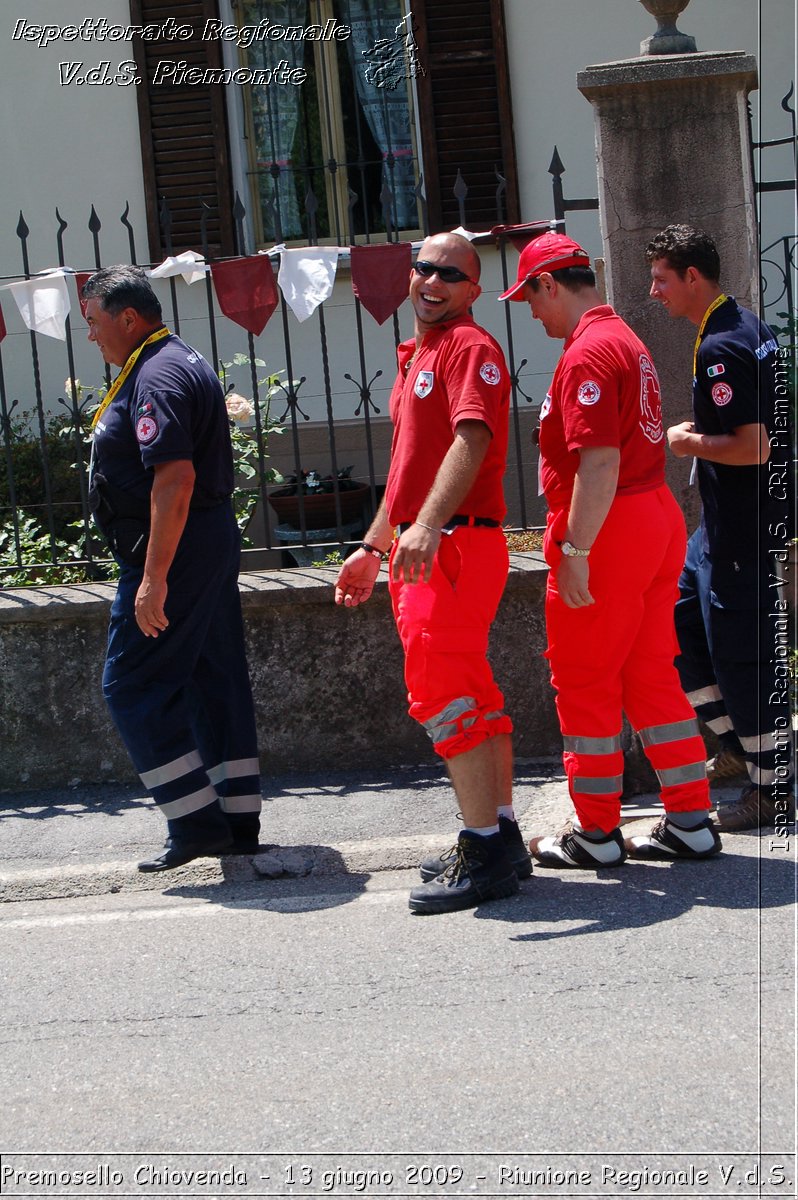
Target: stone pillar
[{"x": 673, "y": 145}]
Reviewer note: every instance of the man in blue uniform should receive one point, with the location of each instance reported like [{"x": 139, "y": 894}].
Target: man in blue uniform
[
  {"x": 175, "y": 678},
  {"x": 731, "y": 606}
]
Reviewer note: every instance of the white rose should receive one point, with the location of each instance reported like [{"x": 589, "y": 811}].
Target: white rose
[
  {"x": 239, "y": 408},
  {"x": 68, "y": 388}
]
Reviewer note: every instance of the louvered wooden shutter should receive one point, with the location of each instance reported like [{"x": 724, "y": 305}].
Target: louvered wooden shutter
[
  {"x": 465, "y": 112},
  {"x": 184, "y": 139}
]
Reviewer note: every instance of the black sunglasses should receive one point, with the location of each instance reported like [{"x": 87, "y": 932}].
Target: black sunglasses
[{"x": 447, "y": 274}]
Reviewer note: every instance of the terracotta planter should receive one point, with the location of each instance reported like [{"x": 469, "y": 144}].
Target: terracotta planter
[{"x": 319, "y": 507}]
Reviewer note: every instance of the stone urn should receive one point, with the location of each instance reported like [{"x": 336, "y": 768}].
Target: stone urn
[{"x": 667, "y": 39}]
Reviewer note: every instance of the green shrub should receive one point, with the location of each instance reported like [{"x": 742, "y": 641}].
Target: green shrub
[
  {"x": 30, "y": 459},
  {"x": 26, "y": 559}
]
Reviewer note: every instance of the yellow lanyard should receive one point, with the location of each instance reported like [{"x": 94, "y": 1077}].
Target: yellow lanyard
[
  {"x": 715, "y": 304},
  {"x": 123, "y": 374}
]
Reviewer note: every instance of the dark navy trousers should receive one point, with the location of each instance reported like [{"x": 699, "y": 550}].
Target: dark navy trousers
[
  {"x": 182, "y": 702},
  {"x": 729, "y": 641}
]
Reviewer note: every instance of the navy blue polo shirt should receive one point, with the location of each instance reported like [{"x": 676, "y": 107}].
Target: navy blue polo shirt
[
  {"x": 170, "y": 408},
  {"x": 735, "y": 385}
]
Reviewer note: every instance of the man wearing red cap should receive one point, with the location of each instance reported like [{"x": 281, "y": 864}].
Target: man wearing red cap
[
  {"x": 615, "y": 542},
  {"x": 450, "y": 406}
]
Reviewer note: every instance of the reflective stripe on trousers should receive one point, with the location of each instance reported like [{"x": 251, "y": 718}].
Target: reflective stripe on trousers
[
  {"x": 676, "y": 752},
  {"x": 617, "y": 655},
  {"x": 182, "y": 702},
  {"x": 726, "y": 665},
  {"x": 443, "y": 625},
  {"x": 594, "y": 765}
]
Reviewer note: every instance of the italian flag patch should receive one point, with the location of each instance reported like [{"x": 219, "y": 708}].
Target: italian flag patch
[{"x": 718, "y": 369}]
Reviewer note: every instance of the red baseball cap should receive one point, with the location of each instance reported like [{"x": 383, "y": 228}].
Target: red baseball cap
[{"x": 549, "y": 252}]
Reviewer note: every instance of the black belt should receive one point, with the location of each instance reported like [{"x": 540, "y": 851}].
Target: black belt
[{"x": 453, "y": 522}]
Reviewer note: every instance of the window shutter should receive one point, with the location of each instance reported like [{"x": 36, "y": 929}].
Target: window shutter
[
  {"x": 184, "y": 140},
  {"x": 465, "y": 111}
]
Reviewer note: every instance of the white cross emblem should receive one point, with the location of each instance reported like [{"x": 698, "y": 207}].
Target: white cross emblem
[
  {"x": 424, "y": 383},
  {"x": 588, "y": 393}
]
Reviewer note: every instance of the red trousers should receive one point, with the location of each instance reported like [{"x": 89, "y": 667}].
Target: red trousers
[
  {"x": 444, "y": 626},
  {"x": 617, "y": 655}
]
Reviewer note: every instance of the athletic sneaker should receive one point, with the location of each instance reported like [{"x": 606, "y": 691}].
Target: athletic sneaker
[
  {"x": 667, "y": 841},
  {"x": 727, "y": 764},
  {"x": 481, "y": 870},
  {"x": 436, "y": 864},
  {"x": 570, "y": 848}
]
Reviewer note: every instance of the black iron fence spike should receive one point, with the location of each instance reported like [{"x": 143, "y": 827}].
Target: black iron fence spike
[{"x": 556, "y": 166}]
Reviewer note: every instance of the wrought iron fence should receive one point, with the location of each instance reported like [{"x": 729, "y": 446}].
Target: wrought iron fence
[
  {"x": 45, "y": 535},
  {"x": 778, "y": 270},
  {"x": 776, "y": 185},
  {"x": 48, "y": 536},
  {"x": 561, "y": 205}
]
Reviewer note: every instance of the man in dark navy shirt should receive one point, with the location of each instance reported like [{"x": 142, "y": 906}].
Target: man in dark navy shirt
[
  {"x": 175, "y": 679},
  {"x": 731, "y": 609}
]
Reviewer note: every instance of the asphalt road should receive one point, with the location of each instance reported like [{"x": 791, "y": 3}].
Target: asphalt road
[{"x": 640, "y": 1019}]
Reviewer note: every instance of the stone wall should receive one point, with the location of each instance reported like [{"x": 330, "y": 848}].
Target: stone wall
[{"x": 327, "y": 681}]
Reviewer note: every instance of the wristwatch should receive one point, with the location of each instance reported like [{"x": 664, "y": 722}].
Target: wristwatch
[{"x": 571, "y": 551}]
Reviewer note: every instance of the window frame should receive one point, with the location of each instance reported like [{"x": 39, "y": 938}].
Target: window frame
[{"x": 332, "y": 134}]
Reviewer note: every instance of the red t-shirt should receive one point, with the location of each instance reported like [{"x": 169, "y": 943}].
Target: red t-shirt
[
  {"x": 605, "y": 392},
  {"x": 458, "y": 373}
]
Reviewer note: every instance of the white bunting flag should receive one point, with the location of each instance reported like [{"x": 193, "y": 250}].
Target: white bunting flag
[
  {"x": 190, "y": 265},
  {"x": 43, "y": 303},
  {"x": 306, "y": 278}
]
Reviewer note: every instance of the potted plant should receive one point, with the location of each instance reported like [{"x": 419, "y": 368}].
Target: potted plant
[{"x": 318, "y": 497}]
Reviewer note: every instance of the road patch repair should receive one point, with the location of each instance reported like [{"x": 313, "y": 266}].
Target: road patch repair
[{"x": 86, "y": 840}]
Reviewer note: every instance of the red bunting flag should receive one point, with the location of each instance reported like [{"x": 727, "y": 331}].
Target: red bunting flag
[
  {"x": 246, "y": 290},
  {"x": 381, "y": 277},
  {"x": 81, "y": 279},
  {"x": 521, "y": 235},
  {"x": 2, "y": 325}
]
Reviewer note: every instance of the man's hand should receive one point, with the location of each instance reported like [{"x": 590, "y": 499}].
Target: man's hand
[
  {"x": 595, "y": 486},
  {"x": 572, "y": 582},
  {"x": 356, "y": 579},
  {"x": 415, "y": 554},
  {"x": 680, "y": 439},
  {"x": 743, "y": 446},
  {"x": 149, "y": 608}
]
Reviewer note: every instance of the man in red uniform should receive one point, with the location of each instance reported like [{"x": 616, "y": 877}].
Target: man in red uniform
[
  {"x": 615, "y": 542},
  {"x": 448, "y": 568}
]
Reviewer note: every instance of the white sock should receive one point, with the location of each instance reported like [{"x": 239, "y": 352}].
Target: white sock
[
  {"x": 506, "y": 810},
  {"x": 482, "y": 831}
]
